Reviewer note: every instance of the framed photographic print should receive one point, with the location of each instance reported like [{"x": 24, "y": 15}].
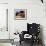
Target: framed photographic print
[{"x": 20, "y": 14}]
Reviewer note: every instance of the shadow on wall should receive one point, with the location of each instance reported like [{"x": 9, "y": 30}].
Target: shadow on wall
[{"x": 41, "y": 34}]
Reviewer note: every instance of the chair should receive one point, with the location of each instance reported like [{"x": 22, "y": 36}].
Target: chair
[{"x": 33, "y": 30}]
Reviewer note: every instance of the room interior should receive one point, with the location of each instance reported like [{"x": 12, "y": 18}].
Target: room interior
[{"x": 10, "y": 28}]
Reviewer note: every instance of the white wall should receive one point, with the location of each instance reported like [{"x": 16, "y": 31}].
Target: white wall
[
  {"x": 35, "y": 13},
  {"x": 3, "y": 1}
]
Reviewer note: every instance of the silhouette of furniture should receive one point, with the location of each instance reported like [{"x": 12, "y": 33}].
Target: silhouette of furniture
[{"x": 33, "y": 30}]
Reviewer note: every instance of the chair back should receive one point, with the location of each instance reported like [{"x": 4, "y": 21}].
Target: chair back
[{"x": 33, "y": 28}]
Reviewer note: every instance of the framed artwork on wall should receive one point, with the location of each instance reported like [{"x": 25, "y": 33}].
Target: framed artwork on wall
[{"x": 20, "y": 14}]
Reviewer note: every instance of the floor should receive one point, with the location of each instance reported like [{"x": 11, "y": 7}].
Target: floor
[
  {"x": 5, "y": 44},
  {"x": 27, "y": 44},
  {"x": 22, "y": 44}
]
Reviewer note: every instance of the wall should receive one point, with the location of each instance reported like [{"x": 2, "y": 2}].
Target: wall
[
  {"x": 3, "y": 1},
  {"x": 35, "y": 14}
]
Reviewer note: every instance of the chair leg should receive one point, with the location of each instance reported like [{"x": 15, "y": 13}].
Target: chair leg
[
  {"x": 32, "y": 42},
  {"x": 20, "y": 42}
]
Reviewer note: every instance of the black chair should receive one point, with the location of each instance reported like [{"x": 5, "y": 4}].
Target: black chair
[{"x": 32, "y": 29}]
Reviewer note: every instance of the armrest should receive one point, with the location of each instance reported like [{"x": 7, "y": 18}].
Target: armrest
[
  {"x": 22, "y": 35},
  {"x": 24, "y": 32}
]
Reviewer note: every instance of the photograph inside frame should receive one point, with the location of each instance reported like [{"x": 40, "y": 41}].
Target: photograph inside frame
[{"x": 20, "y": 14}]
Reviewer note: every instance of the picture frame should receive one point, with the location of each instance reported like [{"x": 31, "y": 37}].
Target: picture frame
[{"x": 20, "y": 14}]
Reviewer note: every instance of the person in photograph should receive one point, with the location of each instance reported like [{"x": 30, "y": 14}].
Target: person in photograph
[{"x": 20, "y": 14}]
